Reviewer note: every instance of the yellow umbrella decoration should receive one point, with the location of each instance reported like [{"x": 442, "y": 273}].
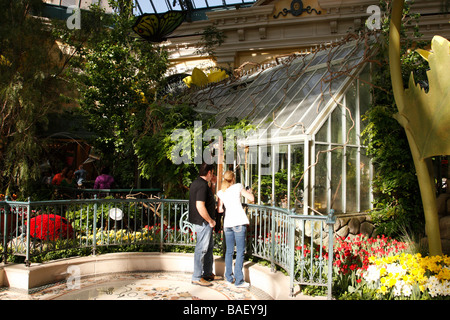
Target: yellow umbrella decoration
[{"x": 200, "y": 79}]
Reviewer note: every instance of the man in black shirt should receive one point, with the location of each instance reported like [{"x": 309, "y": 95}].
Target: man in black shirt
[{"x": 201, "y": 215}]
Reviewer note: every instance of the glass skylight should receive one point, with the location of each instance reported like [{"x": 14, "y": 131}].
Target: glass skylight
[{"x": 159, "y": 6}]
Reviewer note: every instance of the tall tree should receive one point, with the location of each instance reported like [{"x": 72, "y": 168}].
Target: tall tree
[
  {"x": 117, "y": 87},
  {"x": 30, "y": 88}
]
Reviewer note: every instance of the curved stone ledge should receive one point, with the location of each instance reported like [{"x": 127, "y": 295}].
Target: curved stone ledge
[{"x": 20, "y": 277}]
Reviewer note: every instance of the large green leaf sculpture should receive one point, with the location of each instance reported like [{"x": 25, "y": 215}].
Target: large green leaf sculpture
[
  {"x": 427, "y": 114},
  {"x": 425, "y": 118}
]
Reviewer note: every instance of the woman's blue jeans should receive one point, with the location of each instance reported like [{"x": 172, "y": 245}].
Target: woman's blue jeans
[
  {"x": 235, "y": 236},
  {"x": 203, "y": 254}
]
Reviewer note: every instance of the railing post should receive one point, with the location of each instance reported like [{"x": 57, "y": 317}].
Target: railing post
[
  {"x": 94, "y": 227},
  {"x": 291, "y": 231},
  {"x": 27, "y": 257},
  {"x": 161, "y": 241},
  {"x": 272, "y": 242},
  {"x": 5, "y": 234},
  {"x": 330, "y": 222}
]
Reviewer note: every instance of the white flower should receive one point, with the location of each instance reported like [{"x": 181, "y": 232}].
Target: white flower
[
  {"x": 395, "y": 269},
  {"x": 407, "y": 289},
  {"x": 397, "y": 291},
  {"x": 372, "y": 274}
]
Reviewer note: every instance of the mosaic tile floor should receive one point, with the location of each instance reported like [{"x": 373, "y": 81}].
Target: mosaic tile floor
[{"x": 138, "y": 286}]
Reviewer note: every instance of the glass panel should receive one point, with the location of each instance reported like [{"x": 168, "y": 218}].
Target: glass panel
[
  {"x": 253, "y": 94},
  {"x": 322, "y": 135},
  {"x": 336, "y": 180},
  {"x": 298, "y": 67},
  {"x": 230, "y": 103},
  {"x": 272, "y": 94},
  {"x": 336, "y": 82},
  {"x": 320, "y": 183},
  {"x": 260, "y": 77},
  {"x": 238, "y": 174},
  {"x": 351, "y": 183},
  {"x": 364, "y": 96},
  {"x": 350, "y": 114},
  {"x": 279, "y": 72},
  {"x": 335, "y": 55},
  {"x": 251, "y": 164},
  {"x": 266, "y": 175},
  {"x": 297, "y": 169},
  {"x": 67, "y": 3},
  {"x": 215, "y": 3},
  {"x": 301, "y": 99},
  {"x": 318, "y": 58},
  {"x": 200, "y": 3},
  {"x": 245, "y": 106},
  {"x": 336, "y": 125},
  {"x": 364, "y": 185},
  {"x": 281, "y": 178}
]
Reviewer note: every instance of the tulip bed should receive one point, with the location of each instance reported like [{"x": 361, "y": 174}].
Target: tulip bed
[{"x": 382, "y": 268}]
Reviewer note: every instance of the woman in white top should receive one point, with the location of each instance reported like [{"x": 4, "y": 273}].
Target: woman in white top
[{"x": 234, "y": 226}]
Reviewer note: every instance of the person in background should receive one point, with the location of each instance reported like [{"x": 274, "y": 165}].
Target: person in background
[
  {"x": 57, "y": 179},
  {"x": 47, "y": 177},
  {"x": 104, "y": 180},
  {"x": 234, "y": 226},
  {"x": 80, "y": 175},
  {"x": 68, "y": 180}
]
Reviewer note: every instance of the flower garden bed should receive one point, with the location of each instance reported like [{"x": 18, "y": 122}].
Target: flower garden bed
[{"x": 382, "y": 268}]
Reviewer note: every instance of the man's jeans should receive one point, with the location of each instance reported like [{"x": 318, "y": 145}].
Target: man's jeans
[
  {"x": 235, "y": 235},
  {"x": 203, "y": 255}
]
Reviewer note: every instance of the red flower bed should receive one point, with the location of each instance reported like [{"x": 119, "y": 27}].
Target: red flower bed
[
  {"x": 50, "y": 227},
  {"x": 352, "y": 254}
]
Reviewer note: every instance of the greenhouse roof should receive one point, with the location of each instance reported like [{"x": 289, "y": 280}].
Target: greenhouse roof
[{"x": 290, "y": 99}]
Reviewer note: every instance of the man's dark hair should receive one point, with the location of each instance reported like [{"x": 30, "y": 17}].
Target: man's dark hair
[{"x": 204, "y": 168}]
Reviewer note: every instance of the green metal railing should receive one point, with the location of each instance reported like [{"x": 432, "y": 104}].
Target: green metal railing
[{"x": 297, "y": 243}]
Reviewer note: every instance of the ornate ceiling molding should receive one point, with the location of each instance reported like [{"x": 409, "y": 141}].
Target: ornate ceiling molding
[{"x": 296, "y": 9}]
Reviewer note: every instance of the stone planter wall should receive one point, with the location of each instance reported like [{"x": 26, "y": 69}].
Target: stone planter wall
[
  {"x": 347, "y": 225},
  {"x": 350, "y": 225}
]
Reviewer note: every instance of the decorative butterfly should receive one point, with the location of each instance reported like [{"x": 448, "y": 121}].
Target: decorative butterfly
[{"x": 156, "y": 27}]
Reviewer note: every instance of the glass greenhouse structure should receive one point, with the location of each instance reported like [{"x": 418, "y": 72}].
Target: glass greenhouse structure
[{"x": 306, "y": 152}]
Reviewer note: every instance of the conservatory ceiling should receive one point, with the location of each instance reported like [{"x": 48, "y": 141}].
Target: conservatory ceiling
[
  {"x": 159, "y": 6},
  {"x": 291, "y": 99}
]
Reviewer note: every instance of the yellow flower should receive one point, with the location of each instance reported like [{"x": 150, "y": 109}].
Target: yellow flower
[
  {"x": 446, "y": 259},
  {"x": 444, "y": 274},
  {"x": 382, "y": 290},
  {"x": 391, "y": 282}
]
